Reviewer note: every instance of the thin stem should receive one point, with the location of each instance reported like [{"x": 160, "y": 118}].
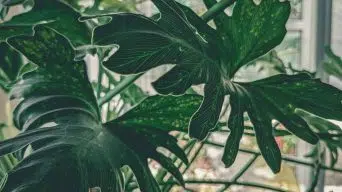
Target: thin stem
[
  {"x": 109, "y": 76},
  {"x": 120, "y": 87},
  {"x": 285, "y": 158},
  {"x": 215, "y": 182},
  {"x": 108, "y": 115},
  {"x": 197, "y": 152},
  {"x": 217, "y": 9},
  {"x": 99, "y": 81},
  {"x": 194, "y": 157},
  {"x": 241, "y": 172},
  {"x": 188, "y": 148}
]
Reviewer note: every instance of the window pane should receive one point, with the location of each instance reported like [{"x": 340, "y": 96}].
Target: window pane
[
  {"x": 296, "y": 11},
  {"x": 289, "y": 49},
  {"x": 336, "y": 27}
]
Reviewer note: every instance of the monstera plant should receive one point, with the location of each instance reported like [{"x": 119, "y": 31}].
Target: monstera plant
[
  {"x": 203, "y": 55},
  {"x": 65, "y": 144}
]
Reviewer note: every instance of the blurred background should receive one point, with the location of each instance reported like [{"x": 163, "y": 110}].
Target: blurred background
[{"x": 313, "y": 26}]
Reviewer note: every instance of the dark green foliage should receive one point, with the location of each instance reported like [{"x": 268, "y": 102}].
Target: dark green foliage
[
  {"x": 245, "y": 41},
  {"x": 52, "y": 13},
  {"x": 61, "y": 121},
  {"x": 146, "y": 43},
  {"x": 205, "y": 55},
  {"x": 73, "y": 151},
  {"x": 10, "y": 64},
  {"x": 167, "y": 113}
]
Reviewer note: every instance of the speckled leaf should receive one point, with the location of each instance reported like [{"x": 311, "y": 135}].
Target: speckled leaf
[
  {"x": 45, "y": 47},
  {"x": 146, "y": 43},
  {"x": 252, "y": 30},
  {"x": 60, "y": 119},
  {"x": 300, "y": 91},
  {"x": 52, "y": 13},
  {"x": 163, "y": 112},
  {"x": 333, "y": 65}
]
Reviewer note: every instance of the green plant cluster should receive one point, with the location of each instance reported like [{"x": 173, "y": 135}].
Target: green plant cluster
[{"x": 65, "y": 144}]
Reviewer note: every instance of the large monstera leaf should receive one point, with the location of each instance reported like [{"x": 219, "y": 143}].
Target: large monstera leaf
[
  {"x": 52, "y": 13},
  {"x": 178, "y": 37},
  {"x": 72, "y": 149},
  {"x": 145, "y": 43}
]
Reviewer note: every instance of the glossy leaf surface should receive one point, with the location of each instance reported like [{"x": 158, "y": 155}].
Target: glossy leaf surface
[
  {"x": 146, "y": 43},
  {"x": 51, "y": 13},
  {"x": 219, "y": 54},
  {"x": 73, "y": 151}
]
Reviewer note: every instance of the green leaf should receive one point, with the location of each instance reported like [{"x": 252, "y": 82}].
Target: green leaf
[
  {"x": 194, "y": 42},
  {"x": 42, "y": 55},
  {"x": 51, "y": 13},
  {"x": 72, "y": 149},
  {"x": 163, "y": 112},
  {"x": 252, "y": 30},
  {"x": 3, "y": 181},
  {"x": 146, "y": 43},
  {"x": 132, "y": 94},
  {"x": 334, "y": 64},
  {"x": 207, "y": 116},
  {"x": 236, "y": 126},
  {"x": 277, "y": 98},
  {"x": 180, "y": 37},
  {"x": 263, "y": 131},
  {"x": 328, "y": 132},
  {"x": 10, "y": 65}
]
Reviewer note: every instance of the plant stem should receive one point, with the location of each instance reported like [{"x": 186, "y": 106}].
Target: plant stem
[
  {"x": 241, "y": 172},
  {"x": 215, "y": 182},
  {"x": 197, "y": 151},
  {"x": 99, "y": 81},
  {"x": 120, "y": 87},
  {"x": 217, "y": 9},
  {"x": 194, "y": 157},
  {"x": 210, "y": 14},
  {"x": 285, "y": 158}
]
